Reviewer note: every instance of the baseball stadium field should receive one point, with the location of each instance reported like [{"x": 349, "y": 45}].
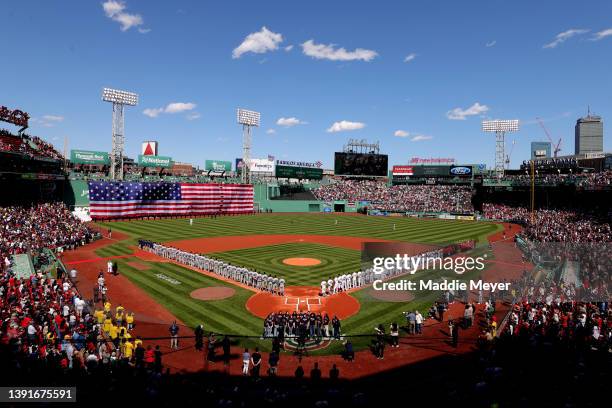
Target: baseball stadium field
[{"x": 265, "y": 243}]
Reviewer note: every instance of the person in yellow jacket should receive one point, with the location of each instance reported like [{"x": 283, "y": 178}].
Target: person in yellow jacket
[
  {"x": 120, "y": 309},
  {"x": 99, "y": 315},
  {"x": 129, "y": 318},
  {"x": 107, "y": 307},
  {"x": 114, "y": 335},
  {"x": 137, "y": 342},
  {"x": 122, "y": 332},
  {"x": 50, "y": 338},
  {"x": 119, "y": 317},
  {"x": 106, "y": 327},
  {"x": 128, "y": 349}
]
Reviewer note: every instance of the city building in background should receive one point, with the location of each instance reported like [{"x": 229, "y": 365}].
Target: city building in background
[
  {"x": 589, "y": 134},
  {"x": 540, "y": 150}
]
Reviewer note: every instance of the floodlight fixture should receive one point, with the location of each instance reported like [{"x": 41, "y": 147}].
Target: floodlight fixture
[
  {"x": 248, "y": 117},
  {"x": 118, "y": 96},
  {"x": 500, "y": 127},
  {"x": 119, "y": 99}
]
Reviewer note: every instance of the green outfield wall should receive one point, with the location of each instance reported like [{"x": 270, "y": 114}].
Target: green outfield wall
[{"x": 76, "y": 193}]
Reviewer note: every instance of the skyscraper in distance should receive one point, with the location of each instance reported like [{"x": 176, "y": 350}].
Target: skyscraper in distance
[{"x": 589, "y": 134}]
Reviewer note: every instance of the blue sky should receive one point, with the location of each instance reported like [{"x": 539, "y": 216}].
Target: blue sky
[{"x": 416, "y": 75}]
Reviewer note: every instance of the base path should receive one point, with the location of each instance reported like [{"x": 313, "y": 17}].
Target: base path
[{"x": 303, "y": 299}]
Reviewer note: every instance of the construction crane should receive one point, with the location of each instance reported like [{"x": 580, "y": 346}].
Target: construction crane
[
  {"x": 556, "y": 147},
  {"x": 509, "y": 155}
]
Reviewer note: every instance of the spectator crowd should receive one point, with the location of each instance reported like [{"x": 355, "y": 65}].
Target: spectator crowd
[
  {"x": 32, "y": 146},
  {"x": 401, "y": 198},
  {"x": 48, "y": 225}
]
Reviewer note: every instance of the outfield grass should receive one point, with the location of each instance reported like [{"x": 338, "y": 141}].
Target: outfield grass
[
  {"x": 334, "y": 261},
  {"x": 406, "y": 229}
]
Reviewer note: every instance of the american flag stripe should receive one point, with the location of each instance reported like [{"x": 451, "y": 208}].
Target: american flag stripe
[{"x": 109, "y": 199}]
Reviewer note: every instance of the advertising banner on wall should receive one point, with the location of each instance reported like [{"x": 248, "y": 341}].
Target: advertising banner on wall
[
  {"x": 299, "y": 172},
  {"x": 262, "y": 166},
  {"x": 293, "y": 163},
  {"x": 149, "y": 148},
  {"x": 462, "y": 171},
  {"x": 218, "y": 165},
  {"x": 403, "y": 171},
  {"x": 154, "y": 161},
  {"x": 430, "y": 171},
  {"x": 89, "y": 157}
]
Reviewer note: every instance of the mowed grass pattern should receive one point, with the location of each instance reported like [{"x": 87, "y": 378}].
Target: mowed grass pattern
[
  {"x": 230, "y": 315},
  {"x": 406, "y": 229},
  {"x": 269, "y": 259},
  {"x": 222, "y": 316}
]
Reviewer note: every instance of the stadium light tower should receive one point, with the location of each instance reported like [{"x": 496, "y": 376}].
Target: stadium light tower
[
  {"x": 119, "y": 99},
  {"x": 247, "y": 119},
  {"x": 500, "y": 128}
]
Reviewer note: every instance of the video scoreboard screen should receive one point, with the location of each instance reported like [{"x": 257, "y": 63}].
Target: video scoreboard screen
[{"x": 360, "y": 164}]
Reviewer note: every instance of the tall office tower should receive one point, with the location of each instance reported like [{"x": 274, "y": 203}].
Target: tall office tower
[{"x": 589, "y": 134}]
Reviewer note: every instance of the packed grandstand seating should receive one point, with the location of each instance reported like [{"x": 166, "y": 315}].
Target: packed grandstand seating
[
  {"x": 409, "y": 198},
  {"x": 27, "y": 145},
  {"x": 550, "y": 225},
  {"x": 568, "y": 241},
  {"x": 47, "y": 225},
  {"x": 584, "y": 180}
]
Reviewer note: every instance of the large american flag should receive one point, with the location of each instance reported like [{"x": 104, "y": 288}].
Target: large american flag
[{"x": 116, "y": 199}]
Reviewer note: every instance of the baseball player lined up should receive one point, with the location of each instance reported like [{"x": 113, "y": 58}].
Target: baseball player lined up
[
  {"x": 359, "y": 279},
  {"x": 257, "y": 280}
]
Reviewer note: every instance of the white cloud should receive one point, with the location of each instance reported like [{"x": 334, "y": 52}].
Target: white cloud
[
  {"x": 564, "y": 36},
  {"x": 153, "y": 112},
  {"x": 178, "y": 107},
  {"x": 115, "y": 10},
  {"x": 462, "y": 114},
  {"x": 53, "y": 118},
  {"x": 410, "y": 57},
  {"x": 270, "y": 131},
  {"x": 602, "y": 34},
  {"x": 48, "y": 120},
  {"x": 258, "y": 42},
  {"x": 413, "y": 138},
  {"x": 144, "y": 30},
  {"x": 491, "y": 44},
  {"x": 289, "y": 122},
  {"x": 289, "y": 48},
  {"x": 420, "y": 138},
  {"x": 345, "y": 125},
  {"x": 323, "y": 51},
  {"x": 174, "y": 107}
]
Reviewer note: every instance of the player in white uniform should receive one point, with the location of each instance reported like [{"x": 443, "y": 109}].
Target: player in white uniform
[
  {"x": 330, "y": 286},
  {"x": 281, "y": 287},
  {"x": 354, "y": 279},
  {"x": 323, "y": 284}
]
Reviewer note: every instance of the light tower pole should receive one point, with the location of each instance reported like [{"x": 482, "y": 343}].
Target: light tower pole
[
  {"x": 119, "y": 99},
  {"x": 500, "y": 128},
  {"x": 248, "y": 119}
]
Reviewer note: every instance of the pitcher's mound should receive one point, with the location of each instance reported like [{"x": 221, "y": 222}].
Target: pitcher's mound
[
  {"x": 301, "y": 261},
  {"x": 213, "y": 293}
]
